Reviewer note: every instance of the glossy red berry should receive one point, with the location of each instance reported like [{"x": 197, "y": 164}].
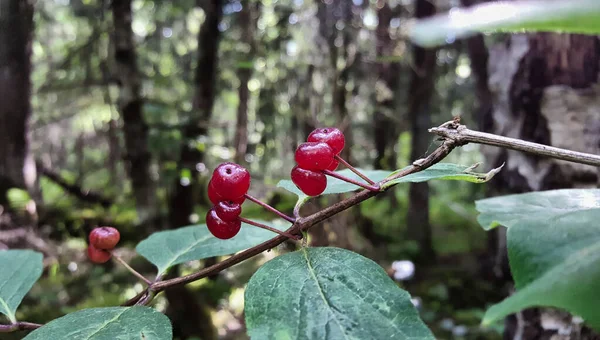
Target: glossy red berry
[
  {"x": 332, "y": 136},
  {"x": 98, "y": 255},
  {"x": 219, "y": 228},
  {"x": 230, "y": 181},
  {"x": 228, "y": 210},
  {"x": 314, "y": 156},
  {"x": 311, "y": 183},
  {"x": 333, "y": 165},
  {"x": 215, "y": 198},
  {"x": 104, "y": 238}
]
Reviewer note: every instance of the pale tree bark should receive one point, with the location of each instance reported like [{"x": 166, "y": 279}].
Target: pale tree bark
[
  {"x": 130, "y": 103},
  {"x": 420, "y": 93},
  {"x": 17, "y": 168},
  {"x": 248, "y": 18},
  {"x": 544, "y": 89}
]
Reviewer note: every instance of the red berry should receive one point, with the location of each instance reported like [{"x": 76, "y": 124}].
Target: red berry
[
  {"x": 231, "y": 181},
  {"x": 333, "y": 165},
  {"x": 104, "y": 237},
  {"x": 98, "y": 255},
  {"x": 314, "y": 156},
  {"x": 311, "y": 183},
  {"x": 332, "y": 136},
  {"x": 215, "y": 198},
  {"x": 219, "y": 228},
  {"x": 228, "y": 210}
]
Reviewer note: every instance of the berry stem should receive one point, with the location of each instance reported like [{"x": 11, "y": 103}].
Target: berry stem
[
  {"x": 260, "y": 225},
  {"x": 270, "y": 208},
  {"x": 353, "y": 169},
  {"x": 133, "y": 271},
  {"x": 350, "y": 180}
]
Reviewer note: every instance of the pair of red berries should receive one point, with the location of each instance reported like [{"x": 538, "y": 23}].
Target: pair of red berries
[
  {"x": 102, "y": 241},
  {"x": 313, "y": 157},
  {"x": 227, "y": 190}
]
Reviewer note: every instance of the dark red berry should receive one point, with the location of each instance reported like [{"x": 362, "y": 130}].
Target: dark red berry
[
  {"x": 228, "y": 210},
  {"x": 333, "y": 165},
  {"x": 219, "y": 228},
  {"x": 215, "y": 198},
  {"x": 230, "y": 181},
  {"x": 314, "y": 156},
  {"x": 311, "y": 183},
  {"x": 332, "y": 136},
  {"x": 104, "y": 238},
  {"x": 98, "y": 255}
]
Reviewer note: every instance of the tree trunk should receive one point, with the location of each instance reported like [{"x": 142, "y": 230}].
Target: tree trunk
[
  {"x": 130, "y": 103},
  {"x": 385, "y": 128},
  {"x": 183, "y": 199},
  {"x": 247, "y": 19},
  {"x": 187, "y": 310},
  {"x": 545, "y": 90},
  {"x": 17, "y": 168},
  {"x": 420, "y": 93}
]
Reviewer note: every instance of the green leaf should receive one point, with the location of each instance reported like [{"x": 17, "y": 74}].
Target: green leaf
[
  {"x": 20, "y": 269},
  {"x": 555, "y": 261},
  {"x": 122, "y": 323},
  {"x": 168, "y": 248},
  {"x": 568, "y": 16},
  {"x": 328, "y": 293},
  {"x": 445, "y": 171},
  {"x": 509, "y": 210}
]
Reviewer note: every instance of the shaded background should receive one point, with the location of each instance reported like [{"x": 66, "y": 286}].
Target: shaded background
[{"x": 116, "y": 112}]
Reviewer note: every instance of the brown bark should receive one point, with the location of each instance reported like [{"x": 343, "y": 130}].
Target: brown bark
[
  {"x": 183, "y": 199},
  {"x": 544, "y": 89},
  {"x": 385, "y": 130},
  {"x": 130, "y": 103},
  {"x": 420, "y": 93},
  {"x": 187, "y": 311},
  {"x": 247, "y": 20},
  {"x": 17, "y": 168}
]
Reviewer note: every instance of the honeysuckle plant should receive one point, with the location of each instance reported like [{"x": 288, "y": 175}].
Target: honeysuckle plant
[{"x": 553, "y": 237}]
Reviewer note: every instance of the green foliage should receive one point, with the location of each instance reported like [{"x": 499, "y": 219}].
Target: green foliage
[
  {"x": 20, "y": 270},
  {"x": 553, "y": 241},
  {"x": 168, "y": 248},
  {"x": 107, "y": 324},
  {"x": 444, "y": 171},
  {"x": 328, "y": 293},
  {"x": 568, "y": 16}
]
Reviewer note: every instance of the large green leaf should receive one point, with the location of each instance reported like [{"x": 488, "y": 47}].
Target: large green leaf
[
  {"x": 569, "y": 16},
  {"x": 328, "y": 293},
  {"x": 553, "y": 244},
  {"x": 510, "y": 209},
  {"x": 168, "y": 248},
  {"x": 445, "y": 171},
  {"x": 19, "y": 269},
  {"x": 122, "y": 323}
]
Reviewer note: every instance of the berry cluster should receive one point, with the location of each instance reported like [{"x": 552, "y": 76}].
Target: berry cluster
[
  {"x": 102, "y": 241},
  {"x": 318, "y": 154},
  {"x": 227, "y": 190}
]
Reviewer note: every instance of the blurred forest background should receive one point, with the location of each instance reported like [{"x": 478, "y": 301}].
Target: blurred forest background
[{"x": 116, "y": 112}]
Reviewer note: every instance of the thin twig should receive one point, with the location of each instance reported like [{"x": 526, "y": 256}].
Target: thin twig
[
  {"x": 353, "y": 169},
  {"x": 462, "y": 135},
  {"x": 350, "y": 180},
  {"x": 266, "y": 227},
  {"x": 304, "y": 224},
  {"x": 19, "y": 326},
  {"x": 133, "y": 271},
  {"x": 135, "y": 299},
  {"x": 270, "y": 208}
]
